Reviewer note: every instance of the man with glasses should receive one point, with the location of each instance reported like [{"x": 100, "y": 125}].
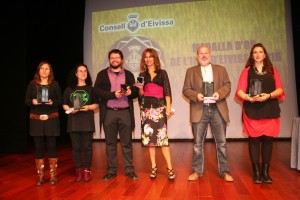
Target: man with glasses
[{"x": 117, "y": 112}]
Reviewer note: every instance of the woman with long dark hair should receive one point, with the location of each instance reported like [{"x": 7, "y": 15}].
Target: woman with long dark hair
[{"x": 260, "y": 90}]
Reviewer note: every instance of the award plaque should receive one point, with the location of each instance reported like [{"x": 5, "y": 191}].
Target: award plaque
[
  {"x": 77, "y": 101},
  {"x": 123, "y": 88},
  {"x": 207, "y": 89},
  {"x": 140, "y": 80},
  {"x": 42, "y": 94},
  {"x": 255, "y": 87}
]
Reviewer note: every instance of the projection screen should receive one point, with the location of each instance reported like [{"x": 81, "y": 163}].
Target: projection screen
[{"x": 175, "y": 29}]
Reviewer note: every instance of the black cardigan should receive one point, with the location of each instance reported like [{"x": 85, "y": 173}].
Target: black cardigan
[{"x": 102, "y": 88}]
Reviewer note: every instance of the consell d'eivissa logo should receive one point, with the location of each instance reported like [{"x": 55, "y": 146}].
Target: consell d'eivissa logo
[{"x": 133, "y": 25}]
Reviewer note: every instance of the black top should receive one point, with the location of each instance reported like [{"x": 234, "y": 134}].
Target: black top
[
  {"x": 54, "y": 95},
  {"x": 50, "y": 127},
  {"x": 82, "y": 120},
  {"x": 160, "y": 79},
  {"x": 262, "y": 110}
]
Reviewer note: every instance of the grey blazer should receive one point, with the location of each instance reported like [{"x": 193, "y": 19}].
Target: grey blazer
[{"x": 193, "y": 86}]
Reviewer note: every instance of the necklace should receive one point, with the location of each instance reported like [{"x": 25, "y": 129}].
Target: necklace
[{"x": 263, "y": 71}]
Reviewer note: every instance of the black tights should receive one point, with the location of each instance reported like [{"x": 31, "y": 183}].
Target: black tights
[
  {"x": 82, "y": 148},
  {"x": 40, "y": 141},
  {"x": 262, "y": 144}
]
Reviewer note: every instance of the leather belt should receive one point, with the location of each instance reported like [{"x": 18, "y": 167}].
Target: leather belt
[
  {"x": 43, "y": 116},
  {"x": 209, "y": 104},
  {"x": 117, "y": 108}
]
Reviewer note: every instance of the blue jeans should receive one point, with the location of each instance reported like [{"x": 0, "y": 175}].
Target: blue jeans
[{"x": 211, "y": 116}]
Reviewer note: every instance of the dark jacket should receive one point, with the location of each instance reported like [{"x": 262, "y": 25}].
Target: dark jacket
[{"x": 102, "y": 88}]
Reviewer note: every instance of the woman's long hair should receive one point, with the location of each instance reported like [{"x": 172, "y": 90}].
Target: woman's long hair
[
  {"x": 268, "y": 66},
  {"x": 155, "y": 56},
  {"x": 37, "y": 78}
]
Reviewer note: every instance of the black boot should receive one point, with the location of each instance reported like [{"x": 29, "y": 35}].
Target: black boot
[
  {"x": 265, "y": 173},
  {"x": 256, "y": 173}
]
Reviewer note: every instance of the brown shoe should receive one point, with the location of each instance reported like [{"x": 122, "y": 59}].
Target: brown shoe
[
  {"x": 194, "y": 176},
  {"x": 227, "y": 177}
]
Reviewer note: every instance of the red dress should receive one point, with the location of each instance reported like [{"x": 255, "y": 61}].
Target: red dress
[{"x": 256, "y": 128}]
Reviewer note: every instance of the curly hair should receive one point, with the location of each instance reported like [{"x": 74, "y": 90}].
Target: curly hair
[{"x": 73, "y": 80}]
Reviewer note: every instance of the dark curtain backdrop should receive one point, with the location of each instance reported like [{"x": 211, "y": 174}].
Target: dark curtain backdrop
[
  {"x": 33, "y": 31},
  {"x": 296, "y": 42}
]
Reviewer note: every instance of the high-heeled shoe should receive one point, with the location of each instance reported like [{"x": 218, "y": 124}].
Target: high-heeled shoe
[
  {"x": 153, "y": 173},
  {"x": 171, "y": 174}
]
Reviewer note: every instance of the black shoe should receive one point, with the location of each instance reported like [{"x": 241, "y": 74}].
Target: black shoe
[
  {"x": 108, "y": 176},
  {"x": 265, "y": 174},
  {"x": 132, "y": 176},
  {"x": 256, "y": 174}
]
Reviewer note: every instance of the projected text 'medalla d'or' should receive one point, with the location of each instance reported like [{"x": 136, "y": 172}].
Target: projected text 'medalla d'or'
[{"x": 226, "y": 52}]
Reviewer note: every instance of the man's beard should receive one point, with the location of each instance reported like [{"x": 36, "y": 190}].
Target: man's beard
[
  {"x": 204, "y": 63},
  {"x": 115, "y": 67}
]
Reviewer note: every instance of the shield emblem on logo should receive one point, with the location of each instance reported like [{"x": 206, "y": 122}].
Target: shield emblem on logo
[{"x": 133, "y": 25}]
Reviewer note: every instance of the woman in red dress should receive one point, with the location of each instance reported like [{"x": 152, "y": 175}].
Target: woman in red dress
[{"x": 260, "y": 90}]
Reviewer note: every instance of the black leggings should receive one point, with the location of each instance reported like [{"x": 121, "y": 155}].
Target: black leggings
[
  {"x": 260, "y": 145},
  {"x": 40, "y": 141},
  {"x": 82, "y": 148}
]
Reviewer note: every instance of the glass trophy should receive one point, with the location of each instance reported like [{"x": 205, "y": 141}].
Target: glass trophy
[
  {"x": 77, "y": 101},
  {"x": 207, "y": 89},
  {"x": 123, "y": 88},
  {"x": 42, "y": 94},
  {"x": 140, "y": 80},
  {"x": 255, "y": 87}
]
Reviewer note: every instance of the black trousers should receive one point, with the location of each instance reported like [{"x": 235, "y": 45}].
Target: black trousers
[
  {"x": 117, "y": 122},
  {"x": 263, "y": 146},
  {"x": 40, "y": 143},
  {"x": 82, "y": 149}
]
